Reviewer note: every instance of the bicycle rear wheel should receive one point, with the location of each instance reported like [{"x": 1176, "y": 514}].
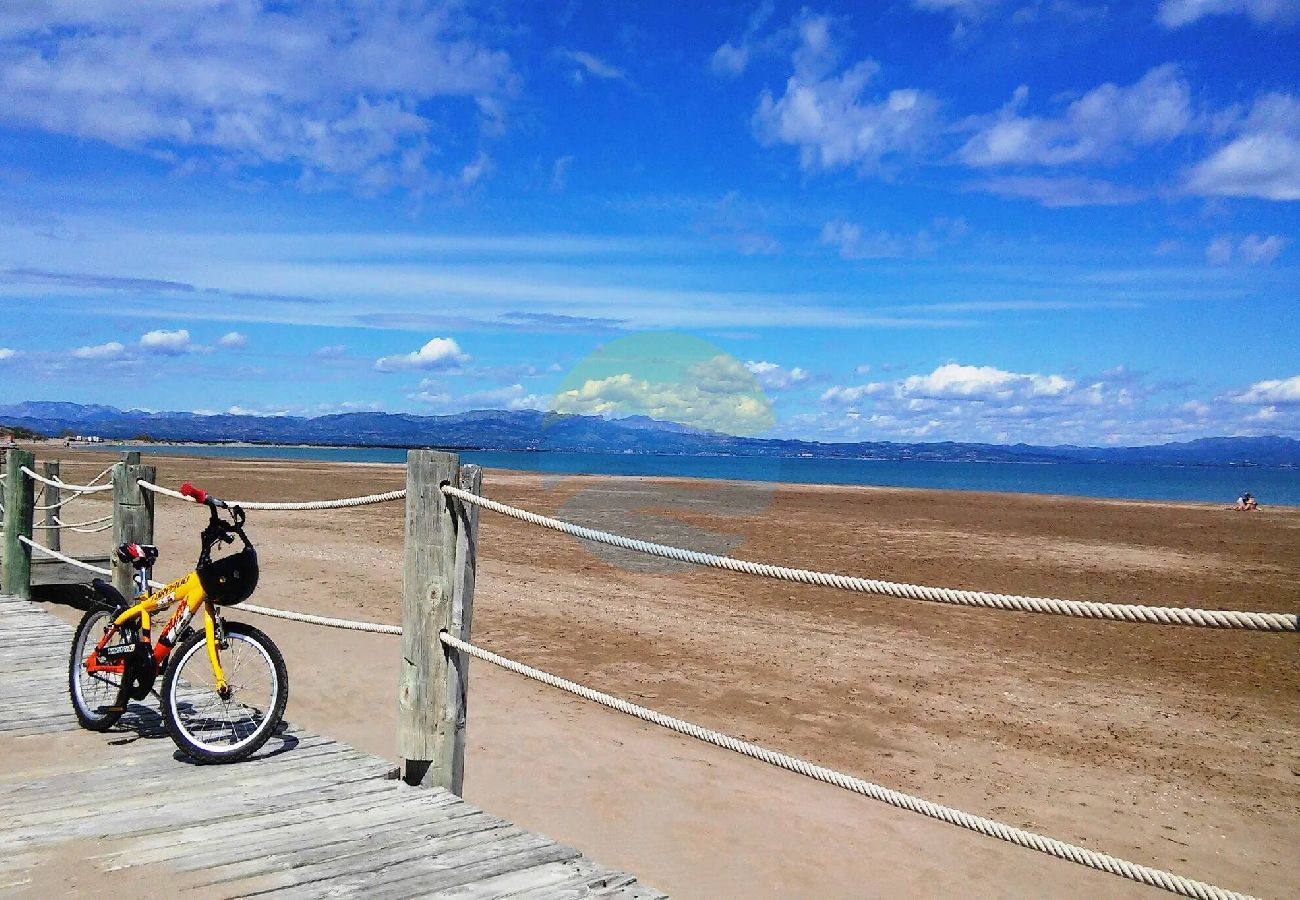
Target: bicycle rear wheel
[
  {"x": 98, "y": 698},
  {"x": 214, "y": 727}
]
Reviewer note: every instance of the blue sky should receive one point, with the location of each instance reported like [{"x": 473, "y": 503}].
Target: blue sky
[{"x": 995, "y": 220}]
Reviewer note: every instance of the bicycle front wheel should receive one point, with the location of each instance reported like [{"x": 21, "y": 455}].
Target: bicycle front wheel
[
  {"x": 214, "y": 726},
  {"x": 98, "y": 698}
]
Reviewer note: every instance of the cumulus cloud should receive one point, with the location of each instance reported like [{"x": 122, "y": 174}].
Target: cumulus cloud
[
  {"x": 829, "y": 116},
  {"x": 166, "y": 343},
  {"x": 955, "y": 381},
  {"x": 718, "y": 394},
  {"x": 1177, "y": 13},
  {"x": 320, "y": 88},
  {"x": 1262, "y": 160},
  {"x": 7, "y": 353},
  {"x": 1104, "y": 124},
  {"x": 232, "y": 339},
  {"x": 110, "y": 350},
  {"x": 1253, "y": 249},
  {"x": 438, "y": 353},
  {"x": 774, "y": 377},
  {"x": 1276, "y": 392}
]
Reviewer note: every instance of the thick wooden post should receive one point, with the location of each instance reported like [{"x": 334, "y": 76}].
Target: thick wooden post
[
  {"x": 51, "y": 532},
  {"x": 20, "y": 494},
  {"x": 132, "y": 515},
  {"x": 429, "y": 709}
]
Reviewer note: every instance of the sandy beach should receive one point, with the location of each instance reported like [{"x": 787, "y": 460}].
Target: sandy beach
[{"x": 1173, "y": 747}]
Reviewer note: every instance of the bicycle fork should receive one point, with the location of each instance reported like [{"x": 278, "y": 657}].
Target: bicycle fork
[{"x": 211, "y": 626}]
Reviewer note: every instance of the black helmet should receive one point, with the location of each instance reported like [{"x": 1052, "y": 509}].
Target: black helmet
[{"x": 231, "y": 579}]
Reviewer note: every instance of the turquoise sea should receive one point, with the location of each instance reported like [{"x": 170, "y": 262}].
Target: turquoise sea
[{"x": 1211, "y": 484}]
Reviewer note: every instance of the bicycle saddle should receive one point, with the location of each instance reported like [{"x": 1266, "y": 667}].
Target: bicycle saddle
[{"x": 140, "y": 556}]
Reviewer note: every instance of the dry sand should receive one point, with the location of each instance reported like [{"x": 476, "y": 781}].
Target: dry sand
[{"x": 1173, "y": 747}]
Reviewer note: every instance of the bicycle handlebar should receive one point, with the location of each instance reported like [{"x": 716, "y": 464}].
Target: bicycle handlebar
[{"x": 199, "y": 495}]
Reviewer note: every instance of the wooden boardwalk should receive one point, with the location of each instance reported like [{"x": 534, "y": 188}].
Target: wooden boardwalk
[{"x": 306, "y": 817}]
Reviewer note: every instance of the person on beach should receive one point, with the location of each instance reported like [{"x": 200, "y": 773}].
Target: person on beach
[{"x": 1246, "y": 502}]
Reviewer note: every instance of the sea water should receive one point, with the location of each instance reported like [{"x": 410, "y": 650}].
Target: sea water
[{"x": 1212, "y": 484}]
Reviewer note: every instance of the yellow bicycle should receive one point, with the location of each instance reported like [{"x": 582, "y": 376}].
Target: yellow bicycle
[{"x": 224, "y": 688}]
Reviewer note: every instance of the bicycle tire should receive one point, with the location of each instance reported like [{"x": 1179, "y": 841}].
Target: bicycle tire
[
  {"x": 184, "y": 686},
  {"x": 103, "y": 711}
]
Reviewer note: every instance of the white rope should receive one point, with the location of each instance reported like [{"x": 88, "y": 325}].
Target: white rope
[
  {"x": 80, "y": 527},
  {"x": 63, "y": 485},
  {"x": 1121, "y": 612},
  {"x": 303, "y": 505},
  {"x": 327, "y": 621},
  {"x": 1145, "y": 875},
  {"x": 70, "y": 560},
  {"x": 93, "y": 483}
]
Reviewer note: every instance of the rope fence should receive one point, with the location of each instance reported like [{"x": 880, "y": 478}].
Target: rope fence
[
  {"x": 1158, "y": 878},
  {"x": 1120, "y": 612}
]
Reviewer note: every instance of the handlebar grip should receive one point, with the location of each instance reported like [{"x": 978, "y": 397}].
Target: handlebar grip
[{"x": 189, "y": 490}]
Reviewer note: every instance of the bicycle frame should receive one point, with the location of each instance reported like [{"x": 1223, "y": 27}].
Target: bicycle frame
[{"x": 187, "y": 595}]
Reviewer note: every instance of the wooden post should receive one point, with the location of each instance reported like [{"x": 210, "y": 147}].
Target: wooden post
[
  {"x": 20, "y": 494},
  {"x": 132, "y": 515},
  {"x": 52, "y": 533},
  {"x": 430, "y": 707},
  {"x": 471, "y": 480}
]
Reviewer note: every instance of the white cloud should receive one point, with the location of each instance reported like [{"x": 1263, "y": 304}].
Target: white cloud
[
  {"x": 1257, "y": 248},
  {"x": 560, "y": 172},
  {"x": 954, "y": 381},
  {"x": 321, "y": 89},
  {"x": 774, "y": 377},
  {"x": 1263, "y": 160},
  {"x": 852, "y": 243},
  {"x": 731, "y": 59},
  {"x": 1253, "y": 249},
  {"x": 1278, "y": 391},
  {"x": 1177, "y": 13},
  {"x": 7, "y": 353},
  {"x": 111, "y": 350},
  {"x": 830, "y": 120},
  {"x": 167, "y": 343},
  {"x": 1057, "y": 192},
  {"x": 438, "y": 353},
  {"x": 1219, "y": 251},
  {"x": 512, "y": 396},
  {"x": 233, "y": 339},
  {"x": 1104, "y": 124},
  {"x": 589, "y": 64},
  {"x": 329, "y": 351}
]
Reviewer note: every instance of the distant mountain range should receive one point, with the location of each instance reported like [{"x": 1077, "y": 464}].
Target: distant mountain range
[{"x": 495, "y": 429}]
